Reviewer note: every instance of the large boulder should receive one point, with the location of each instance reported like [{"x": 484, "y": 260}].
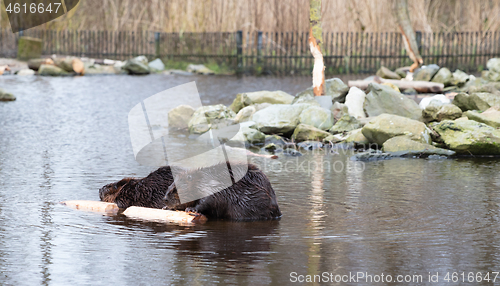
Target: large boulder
[
  {"x": 437, "y": 111},
  {"x": 211, "y": 116},
  {"x": 136, "y": 66},
  {"x": 402, "y": 146},
  {"x": 250, "y": 98},
  {"x": 469, "y": 137},
  {"x": 490, "y": 117},
  {"x": 441, "y": 98},
  {"x": 426, "y": 73},
  {"x": 345, "y": 124},
  {"x": 6, "y": 96},
  {"x": 354, "y": 101},
  {"x": 476, "y": 101},
  {"x": 386, "y": 126},
  {"x": 494, "y": 65},
  {"x": 356, "y": 137},
  {"x": 179, "y": 116},
  {"x": 443, "y": 76},
  {"x": 305, "y": 132},
  {"x": 334, "y": 87},
  {"x": 318, "y": 117},
  {"x": 384, "y": 72},
  {"x": 246, "y": 112},
  {"x": 250, "y": 135},
  {"x": 383, "y": 99},
  {"x": 51, "y": 70},
  {"x": 278, "y": 118},
  {"x": 156, "y": 65}
]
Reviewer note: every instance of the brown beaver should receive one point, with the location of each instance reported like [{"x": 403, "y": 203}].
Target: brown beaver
[
  {"x": 146, "y": 192},
  {"x": 250, "y": 198}
]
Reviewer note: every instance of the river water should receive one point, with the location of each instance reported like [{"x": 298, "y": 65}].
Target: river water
[{"x": 64, "y": 138}]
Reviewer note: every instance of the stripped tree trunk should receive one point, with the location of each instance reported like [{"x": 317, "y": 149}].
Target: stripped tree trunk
[
  {"x": 408, "y": 34},
  {"x": 315, "y": 45}
]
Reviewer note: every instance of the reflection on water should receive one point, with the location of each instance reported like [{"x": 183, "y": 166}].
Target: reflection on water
[{"x": 65, "y": 138}]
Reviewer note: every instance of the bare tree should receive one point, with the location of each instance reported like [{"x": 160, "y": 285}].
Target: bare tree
[
  {"x": 408, "y": 34},
  {"x": 315, "y": 45}
]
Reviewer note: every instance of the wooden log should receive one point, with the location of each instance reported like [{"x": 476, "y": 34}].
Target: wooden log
[
  {"x": 150, "y": 214},
  {"x": 93, "y": 206},
  {"x": 70, "y": 64},
  {"x": 420, "y": 86},
  {"x": 78, "y": 66}
]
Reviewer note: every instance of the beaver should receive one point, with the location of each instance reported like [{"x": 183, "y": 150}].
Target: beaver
[
  {"x": 146, "y": 192},
  {"x": 250, "y": 198}
]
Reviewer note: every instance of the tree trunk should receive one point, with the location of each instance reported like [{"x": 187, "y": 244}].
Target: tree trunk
[
  {"x": 315, "y": 45},
  {"x": 409, "y": 40}
]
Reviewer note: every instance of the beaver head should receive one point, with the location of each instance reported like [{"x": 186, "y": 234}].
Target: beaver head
[{"x": 111, "y": 192}]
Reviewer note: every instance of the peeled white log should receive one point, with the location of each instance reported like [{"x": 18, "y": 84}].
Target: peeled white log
[
  {"x": 93, "y": 206},
  {"x": 180, "y": 217}
]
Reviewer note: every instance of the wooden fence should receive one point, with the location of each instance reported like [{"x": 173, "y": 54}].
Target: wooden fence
[{"x": 270, "y": 52}]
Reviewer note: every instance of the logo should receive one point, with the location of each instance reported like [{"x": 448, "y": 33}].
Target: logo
[
  {"x": 26, "y": 14},
  {"x": 155, "y": 144}
]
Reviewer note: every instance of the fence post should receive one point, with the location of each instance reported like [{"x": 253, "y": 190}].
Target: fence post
[
  {"x": 259, "y": 47},
  {"x": 157, "y": 44},
  {"x": 418, "y": 35},
  {"x": 239, "y": 51}
]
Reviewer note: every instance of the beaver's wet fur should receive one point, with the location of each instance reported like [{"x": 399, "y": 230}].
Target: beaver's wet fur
[
  {"x": 250, "y": 198},
  {"x": 146, "y": 192}
]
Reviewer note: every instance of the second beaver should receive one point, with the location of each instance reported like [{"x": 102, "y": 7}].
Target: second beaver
[{"x": 250, "y": 198}]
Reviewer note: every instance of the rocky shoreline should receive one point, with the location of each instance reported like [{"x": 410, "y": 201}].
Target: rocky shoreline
[{"x": 380, "y": 121}]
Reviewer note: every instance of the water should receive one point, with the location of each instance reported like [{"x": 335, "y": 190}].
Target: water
[{"x": 64, "y": 138}]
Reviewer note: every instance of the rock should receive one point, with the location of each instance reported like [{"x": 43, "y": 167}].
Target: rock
[
  {"x": 357, "y": 137},
  {"x": 276, "y": 140},
  {"x": 402, "y": 146},
  {"x": 156, "y": 65},
  {"x": 462, "y": 101},
  {"x": 469, "y": 137},
  {"x": 338, "y": 110},
  {"x": 271, "y": 147},
  {"x": 354, "y": 101},
  {"x": 318, "y": 117},
  {"x": 35, "y": 64},
  {"x": 383, "y": 99},
  {"x": 494, "y": 65},
  {"x": 97, "y": 69},
  {"x": 25, "y": 72},
  {"x": 305, "y": 132},
  {"x": 441, "y": 98},
  {"x": 177, "y": 72},
  {"x": 334, "y": 87},
  {"x": 310, "y": 145},
  {"x": 306, "y": 99},
  {"x": 50, "y": 70},
  {"x": 425, "y": 73},
  {"x": 135, "y": 66},
  {"x": 410, "y": 91},
  {"x": 391, "y": 86},
  {"x": 490, "y": 75},
  {"x": 292, "y": 152},
  {"x": 142, "y": 59},
  {"x": 337, "y": 138},
  {"x": 179, "y": 116},
  {"x": 29, "y": 48},
  {"x": 443, "y": 76},
  {"x": 402, "y": 72},
  {"x": 250, "y": 98},
  {"x": 384, "y": 72},
  {"x": 490, "y": 117},
  {"x": 199, "y": 69},
  {"x": 386, "y": 126},
  {"x": 6, "y": 96},
  {"x": 253, "y": 136},
  {"x": 371, "y": 155},
  {"x": 436, "y": 111},
  {"x": 211, "y": 116},
  {"x": 484, "y": 100},
  {"x": 345, "y": 124},
  {"x": 245, "y": 114},
  {"x": 278, "y": 118},
  {"x": 459, "y": 78}
]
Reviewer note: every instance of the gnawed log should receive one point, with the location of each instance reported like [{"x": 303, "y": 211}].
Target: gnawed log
[
  {"x": 420, "y": 86},
  {"x": 35, "y": 64},
  {"x": 180, "y": 217},
  {"x": 3, "y": 69},
  {"x": 70, "y": 64},
  {"x": 93, "y": 206}
]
